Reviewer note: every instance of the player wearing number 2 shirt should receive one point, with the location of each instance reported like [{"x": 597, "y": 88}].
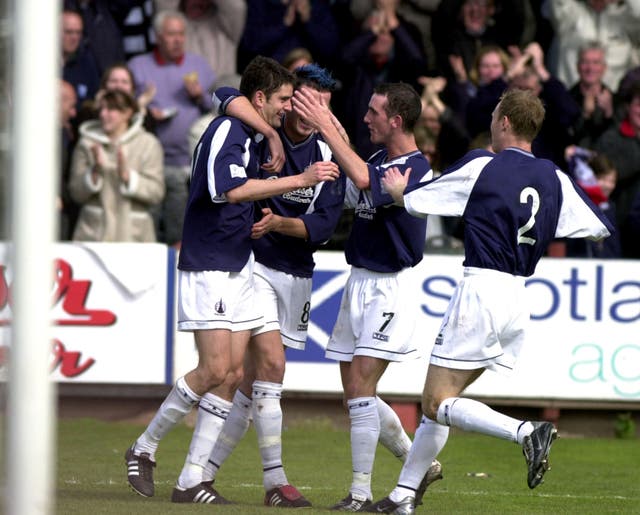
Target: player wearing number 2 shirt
[{"x": 512, "y": 205}]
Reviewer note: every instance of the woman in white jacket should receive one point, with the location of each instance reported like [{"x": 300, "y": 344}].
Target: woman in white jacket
[{"x": 116, "y": 174}]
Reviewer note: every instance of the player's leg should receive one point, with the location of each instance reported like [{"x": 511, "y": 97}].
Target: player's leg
[
  {"x": 472, "y": 415},
  {"x": 360, "y": 378},
  {"x": 286, "y": 301},
  {"x": 429, "y": 440},
  {"x": 497, "y": 303},
  {"x": 267, "y": 418},
  {"x": 237, "y": 423},
  {"x": 394, "y": 437},
  {"x": 186, "y": 393},
  {"x": 392, "y": 434},
  {"x": 239, "y": 309},
  {"x": 267, "y": 411},
  {"x": 213, "y": 410}
]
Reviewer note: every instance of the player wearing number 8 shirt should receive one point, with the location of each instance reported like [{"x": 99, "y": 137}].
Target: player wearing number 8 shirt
[
  {"x": 289, "y": 228},
  {"x": 513, "y": 205}
]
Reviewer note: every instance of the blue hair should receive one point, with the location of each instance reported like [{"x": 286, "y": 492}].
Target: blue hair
[{"x": 316, "y": 76}]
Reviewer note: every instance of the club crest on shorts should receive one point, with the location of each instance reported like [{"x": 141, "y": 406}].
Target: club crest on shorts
[{"x": 220, "y": 307}]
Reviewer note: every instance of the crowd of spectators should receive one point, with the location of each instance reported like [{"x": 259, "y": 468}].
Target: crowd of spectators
[{"x": 582, "y": 57}]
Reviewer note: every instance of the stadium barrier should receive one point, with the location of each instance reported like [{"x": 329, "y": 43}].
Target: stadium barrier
[{"x": 114, "y": 305}]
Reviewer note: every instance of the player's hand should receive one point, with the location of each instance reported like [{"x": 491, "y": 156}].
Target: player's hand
[
  {"x": 308, "y": 104},
  {"x": 318, "y": 172},
  {"x": 277, "y": 157},
  {"x": 267, "y": 223},
  {"x": 395, "y": 183}
]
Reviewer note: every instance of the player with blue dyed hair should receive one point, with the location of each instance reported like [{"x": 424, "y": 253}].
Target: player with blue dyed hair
[
  {"x": 216, "y": 293},
  {"x": 288, "y": 229}
]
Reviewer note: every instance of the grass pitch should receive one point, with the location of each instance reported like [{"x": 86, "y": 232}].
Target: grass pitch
[{"x": 588, "y": 475}]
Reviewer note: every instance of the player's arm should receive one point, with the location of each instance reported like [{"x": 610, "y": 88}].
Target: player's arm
[
  {"x": 315, "y": 226},
  {"x": 289, "y": 226},
  {"x": 308, "y": 105},
  {"x": 258, "y": 189},
  {"x": 232, "y": 103}
]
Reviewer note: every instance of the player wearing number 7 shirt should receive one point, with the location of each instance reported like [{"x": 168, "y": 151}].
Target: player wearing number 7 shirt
[
  {"x": 378, "y": 311},
  {"x": 513, "y": 205}
]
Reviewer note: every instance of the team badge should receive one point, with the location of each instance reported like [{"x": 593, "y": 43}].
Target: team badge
[{"x": 220, "y": 307}]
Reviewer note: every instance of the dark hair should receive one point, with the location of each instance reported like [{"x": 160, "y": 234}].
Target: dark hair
[
  {"x": 119, "y": 100},
  {"x": 601, "y": 165},
  {"x": 107, "y": 72},
  {"x": 524, "y": 110},
  {"x": 266, "y": 75},
  {"x": 402, "y": 100},
  {"x": 314, "y": 76},
  {"x": 632, "y": 92}
]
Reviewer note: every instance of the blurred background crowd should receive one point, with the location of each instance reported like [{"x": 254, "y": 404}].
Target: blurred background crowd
[{"x": 138, "y": 76}]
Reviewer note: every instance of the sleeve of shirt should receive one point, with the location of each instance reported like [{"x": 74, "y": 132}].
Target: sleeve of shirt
[
  {"x": 579, "y": 217},
  {"x": 226, "y": 162},
  {"x": 446, "y": 195},
  {"x": 351, "y": 195},
  {"x": 221, "y": 98},
  {"x": 324, "y": 211}
]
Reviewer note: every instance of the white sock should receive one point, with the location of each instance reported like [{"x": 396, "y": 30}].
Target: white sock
[
  {"x": 365, "y": 430},
  {"x": 392, "y": 434},
  {"x": 175, "y": 407},
  {"x": 232, "y": 432},
  {"x": 475, "y": 416},
  {"x": 524, "y": 429},
  {"x": 212, "y": 413},
  {"x": 429, "y": 440},
  {"x": 267, "y": 419}
]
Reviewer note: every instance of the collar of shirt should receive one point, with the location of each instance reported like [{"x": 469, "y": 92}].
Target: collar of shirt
[{"x": 163, "y": 62}]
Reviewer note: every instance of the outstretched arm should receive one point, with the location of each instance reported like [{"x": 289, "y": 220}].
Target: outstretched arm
[{"x": 257, "y": 189}]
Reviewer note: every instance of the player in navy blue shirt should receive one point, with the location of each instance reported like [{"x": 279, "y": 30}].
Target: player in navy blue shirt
[
  {"x": 513, "y": 205},
  {"x": 289, "y": 228},
  {"x": 378, "y": 313},
  {"x": 215, "y": 275}
]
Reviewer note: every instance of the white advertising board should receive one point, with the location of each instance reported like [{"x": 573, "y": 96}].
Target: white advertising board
[
  {"x": 583, "y": 343},
  {"x": 109, "y": 310},
  {"x": 113, "y": 306}
]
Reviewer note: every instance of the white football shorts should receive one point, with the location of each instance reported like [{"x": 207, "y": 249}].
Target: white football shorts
[
  {"x": 377, "y": 317},
  {"x": 215, "y": 299},
  {"x": 286, "y": 302},
  {"x": 485, "y": 323}
]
